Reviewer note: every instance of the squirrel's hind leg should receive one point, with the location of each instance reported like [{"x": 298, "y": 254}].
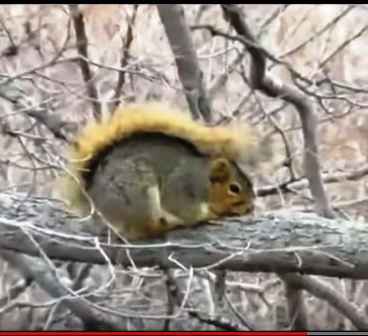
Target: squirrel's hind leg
[{"x": 162, "y": 220}]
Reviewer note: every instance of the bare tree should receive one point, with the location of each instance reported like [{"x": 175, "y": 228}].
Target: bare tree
[{"x": 309, "y": 231}]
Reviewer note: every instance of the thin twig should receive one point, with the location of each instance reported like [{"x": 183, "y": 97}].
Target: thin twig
[{"x": 327, "y": 26}]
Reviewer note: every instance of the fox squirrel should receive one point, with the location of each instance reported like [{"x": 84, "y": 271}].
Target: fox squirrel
[{"x": 149, "y": 169}]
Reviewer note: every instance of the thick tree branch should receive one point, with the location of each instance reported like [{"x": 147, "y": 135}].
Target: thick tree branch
[
  {"x": 275, "y": 242},
  {"x": 190, "y": 73}
]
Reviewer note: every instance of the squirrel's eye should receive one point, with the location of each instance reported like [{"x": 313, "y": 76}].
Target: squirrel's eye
[{"x": 234, "y": 188}]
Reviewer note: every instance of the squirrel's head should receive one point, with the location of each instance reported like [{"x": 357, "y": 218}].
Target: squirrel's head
[{"x": 231, "y": 191}]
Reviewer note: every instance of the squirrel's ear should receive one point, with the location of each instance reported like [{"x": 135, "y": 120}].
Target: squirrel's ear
[{"x": 219, "y": 170}]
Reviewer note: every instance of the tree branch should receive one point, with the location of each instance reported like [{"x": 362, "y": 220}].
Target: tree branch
[
  {"x": 262, "y": 81},
  {"x": 325, "y": 292},
  {"x": 82, "y": 46},
  {"x": 190, "y": 73},
  {"x": 296, "y": 306},
  {"x": 38, "y": 270},
  {"x": 127, "y": 41},
  {"x": 290, "y": 186},
  {"x": 273, "y": 242},
  {"x": 59, "y": 128}
]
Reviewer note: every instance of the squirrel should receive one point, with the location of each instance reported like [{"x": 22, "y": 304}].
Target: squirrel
[{"x": 148, "y": 169}]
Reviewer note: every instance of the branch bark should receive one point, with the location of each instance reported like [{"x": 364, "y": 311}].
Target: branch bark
[
  {"x": 190, "y": 73},
  {"x": 278, "y": 241}
]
